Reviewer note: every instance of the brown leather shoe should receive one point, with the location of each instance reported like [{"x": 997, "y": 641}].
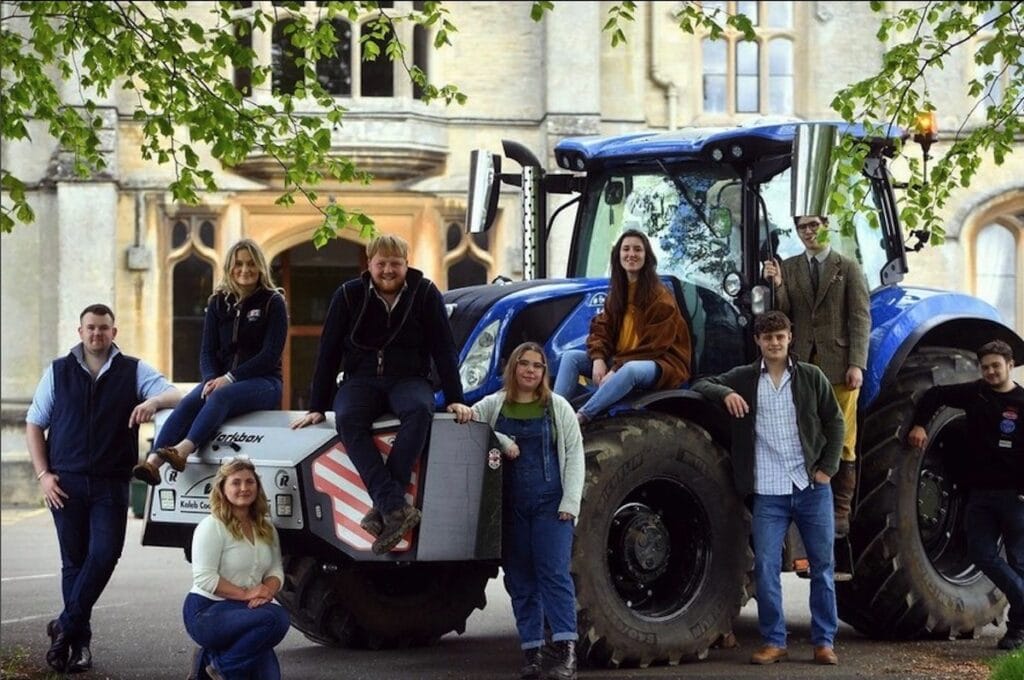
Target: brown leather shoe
[
  {"x": 396, "y": 523},
  {"x": 825, "y": 656},
  {"x": 171, "y": 455},
  {"x": 768, "y": 654},
  {"x": 147, "y": 472}
]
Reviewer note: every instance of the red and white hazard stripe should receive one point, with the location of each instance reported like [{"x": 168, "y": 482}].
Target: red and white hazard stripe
[{"x": 335, "y": 475}]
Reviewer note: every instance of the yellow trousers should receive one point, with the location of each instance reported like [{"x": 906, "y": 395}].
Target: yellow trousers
[{"x": 847, "y": 399}]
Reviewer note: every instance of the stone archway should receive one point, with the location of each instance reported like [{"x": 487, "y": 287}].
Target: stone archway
[{"x": 309, "y": 278}]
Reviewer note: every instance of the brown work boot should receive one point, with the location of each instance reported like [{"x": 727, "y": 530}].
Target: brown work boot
[
  {"x": 843, "y": 486},
  {"x": 825, "y": 656},
  {"x": 172, "y": 456},
  {"x": 372, "y": 522},
  {"x": 768, "y": 654},
  {"x": 396, "y": 523}
]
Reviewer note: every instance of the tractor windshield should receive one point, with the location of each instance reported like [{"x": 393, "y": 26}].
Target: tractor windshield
[
  {"x": 691, "y": 212},
  {"x": 691, "y": 217}
]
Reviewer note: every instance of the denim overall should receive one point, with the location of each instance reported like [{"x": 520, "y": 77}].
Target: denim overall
[{"x": 537, "y": 545}]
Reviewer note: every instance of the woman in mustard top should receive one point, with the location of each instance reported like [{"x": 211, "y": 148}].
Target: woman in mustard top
[{"x": 639, "y": 340}]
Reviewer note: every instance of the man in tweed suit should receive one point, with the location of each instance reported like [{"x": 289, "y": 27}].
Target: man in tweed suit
[{"x": 826, "y": 296}]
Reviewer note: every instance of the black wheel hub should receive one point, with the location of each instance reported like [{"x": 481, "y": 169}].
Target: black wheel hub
[{"x": 659, "y": 549}]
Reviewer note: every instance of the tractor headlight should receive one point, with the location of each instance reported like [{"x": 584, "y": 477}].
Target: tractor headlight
[{"x": 473, "y": 370}]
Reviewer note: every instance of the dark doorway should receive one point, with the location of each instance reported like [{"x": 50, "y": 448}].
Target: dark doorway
[{"x": 309, "y": 278}]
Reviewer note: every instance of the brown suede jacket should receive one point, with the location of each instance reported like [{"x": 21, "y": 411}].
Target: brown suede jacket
[{"x": 663, "y": 335}]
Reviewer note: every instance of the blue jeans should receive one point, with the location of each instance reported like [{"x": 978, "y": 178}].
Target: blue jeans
[
  {"x": 633, "y": 375},
  {"x": 811, "y": 509},
  {"x": 991, "y": 514},
  {"x": 238, "y": 641},
  {"x": 537, "y": 546},
  {"x": 363, "y": 399},
  {"x": 90, "y": 530},
  {"x": 197, "y": 419}
]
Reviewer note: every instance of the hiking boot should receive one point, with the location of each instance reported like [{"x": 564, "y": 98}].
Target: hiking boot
[
  {"x": 565, "y": 657},
  {"x": 533, "y": 666},
  {"x": 171, "y": 455},
  {"x": 396, "y": 523},
  {"x": 147, "y": 472},
  {"x": 373, "y": 523}
]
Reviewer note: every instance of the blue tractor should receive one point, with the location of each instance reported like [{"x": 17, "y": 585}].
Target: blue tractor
[{"x": 661, "y": 555}]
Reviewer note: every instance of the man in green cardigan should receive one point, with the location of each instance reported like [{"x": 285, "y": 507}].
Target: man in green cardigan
[{"x": 787, "y": 435}]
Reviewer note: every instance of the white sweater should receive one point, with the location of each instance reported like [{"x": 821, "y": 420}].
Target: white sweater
[
  {"x": 568, "y": 438},
  {"x": 216, "y": 554}
]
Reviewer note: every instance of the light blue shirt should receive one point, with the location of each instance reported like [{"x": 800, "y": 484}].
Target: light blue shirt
[
  {"x": 149, "y": 382},
  {"x": 778, "y": 455}
]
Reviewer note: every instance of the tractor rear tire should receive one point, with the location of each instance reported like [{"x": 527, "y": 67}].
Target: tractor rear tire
[
  {"x": 381, "y": 607},
  {"x": 661, "y": 550},
  {"x": 912, "y": 576}
]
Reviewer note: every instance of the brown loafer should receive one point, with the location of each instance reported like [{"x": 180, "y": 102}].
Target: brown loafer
[
  {"x": 768, "y": 654},
  {"x": 147, "y": 472},
  {"x": 825, "y": 656},
  {"x": 171, "y": 455}
]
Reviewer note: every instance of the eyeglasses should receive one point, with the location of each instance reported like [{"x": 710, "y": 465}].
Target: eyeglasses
[
  {"x": 809, "y": 226},
  {"x": 536, "y": 365}
]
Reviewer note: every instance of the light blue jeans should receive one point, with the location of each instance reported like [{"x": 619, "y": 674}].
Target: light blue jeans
[
  {"x": 811, "y": 509},
  {"x": 633, "y": 375}
]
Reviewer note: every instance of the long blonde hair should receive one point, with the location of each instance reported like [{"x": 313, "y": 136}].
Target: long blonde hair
[
  {"x": 228, "y": 286},
  {"x": 543, "y": 392},
  {"x": 259, "y": 511}
]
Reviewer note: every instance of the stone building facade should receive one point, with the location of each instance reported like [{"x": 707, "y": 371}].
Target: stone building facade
[{"x": 118, "y": 237}]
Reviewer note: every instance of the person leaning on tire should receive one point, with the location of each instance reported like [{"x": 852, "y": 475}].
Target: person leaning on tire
[
  {"x": 785, "y": 455},
  {"x": 994, "y": 477}
]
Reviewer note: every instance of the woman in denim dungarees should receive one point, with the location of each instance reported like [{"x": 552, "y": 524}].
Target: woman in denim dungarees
[{"x": 543, "y": 482}]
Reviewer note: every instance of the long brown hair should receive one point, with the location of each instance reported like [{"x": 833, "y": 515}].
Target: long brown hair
[
  {"x": 648, "y": 284},
  {"x": 259, "y": 511},
  {"x": 227, "y": 284},
  {"x": 509, "y": 376}
]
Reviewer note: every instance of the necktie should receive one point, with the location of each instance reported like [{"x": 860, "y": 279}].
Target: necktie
[{"x": 815, "y": 271}]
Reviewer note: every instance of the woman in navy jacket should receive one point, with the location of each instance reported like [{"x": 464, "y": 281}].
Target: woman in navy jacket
[{"x": 243, "y": 337}]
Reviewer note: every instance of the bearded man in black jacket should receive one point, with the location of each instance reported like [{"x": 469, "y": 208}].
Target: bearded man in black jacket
[{"x": 382, "y": 330}]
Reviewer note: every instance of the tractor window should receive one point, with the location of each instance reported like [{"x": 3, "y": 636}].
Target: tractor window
[
  {"x": 693, "y": 226},
  {"x": 693, "y": 222},
  {"x": 864, "y": 244}
]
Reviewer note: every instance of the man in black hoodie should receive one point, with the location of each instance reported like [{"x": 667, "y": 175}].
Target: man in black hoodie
[
  {"x": 382, "y": 330},
  {"x": 993, "y": 475}
]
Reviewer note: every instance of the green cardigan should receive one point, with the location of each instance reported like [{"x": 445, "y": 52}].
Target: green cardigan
[
  {"x": 818, "y": 418},
  {"x": 568, "y": 438}
]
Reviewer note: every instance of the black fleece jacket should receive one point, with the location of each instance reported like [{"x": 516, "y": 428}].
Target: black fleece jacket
[{"x": 362, "y": 338}]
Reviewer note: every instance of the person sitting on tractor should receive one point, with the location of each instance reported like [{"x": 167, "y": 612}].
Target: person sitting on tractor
[
  {"x": 639, "y": 341},
  {"x": 382, "y": 329},
  {"x": 994, "y": 407}
]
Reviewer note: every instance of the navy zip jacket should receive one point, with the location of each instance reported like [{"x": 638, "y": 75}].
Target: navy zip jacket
[
  {"x": 244, "y": 339},
  {"x": 362, "y": 338},
  {"x": 88, "y": 432},
  {"x": 819, "y": 421}
]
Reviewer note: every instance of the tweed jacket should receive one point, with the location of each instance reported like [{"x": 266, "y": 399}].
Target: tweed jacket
[
  {"x": 836, "y": 323},
  {"x": 664, "y": 338}
]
